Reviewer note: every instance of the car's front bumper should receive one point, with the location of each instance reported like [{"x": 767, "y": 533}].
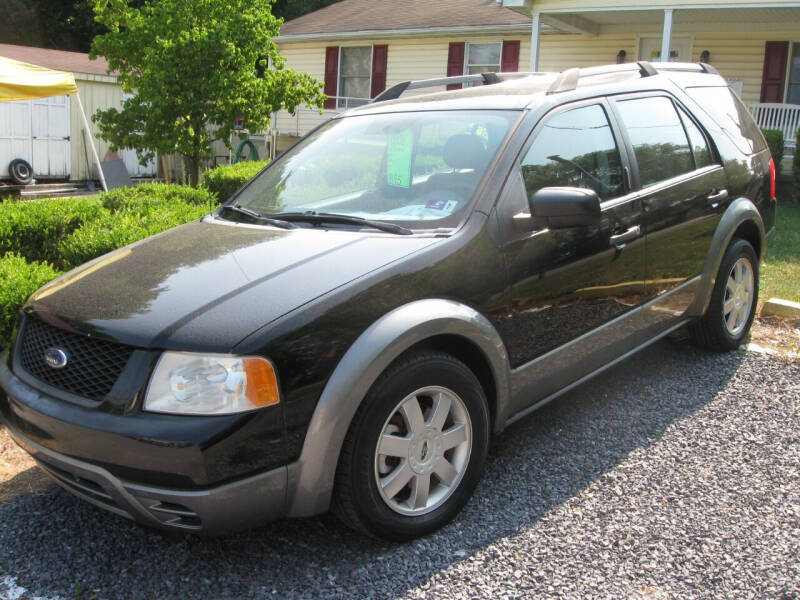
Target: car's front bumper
[{"x": 91, "y": 460}]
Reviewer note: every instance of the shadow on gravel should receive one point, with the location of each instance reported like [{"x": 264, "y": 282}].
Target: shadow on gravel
[{"x": 55, "y": 544}]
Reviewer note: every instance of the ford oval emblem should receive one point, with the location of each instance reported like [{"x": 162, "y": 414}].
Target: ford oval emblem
[{"x": 55, "y": 358}]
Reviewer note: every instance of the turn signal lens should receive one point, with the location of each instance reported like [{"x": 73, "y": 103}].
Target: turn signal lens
[
  {"x": 772, "y": 179},
  {"x": 262, "y": 383},
  {"x": 210, "y": 384}
]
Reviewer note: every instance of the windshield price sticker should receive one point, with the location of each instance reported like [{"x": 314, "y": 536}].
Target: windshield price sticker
[{"x": 398, "y": 159}]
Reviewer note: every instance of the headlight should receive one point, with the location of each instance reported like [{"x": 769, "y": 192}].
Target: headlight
[{"x": 210, "y": 384}]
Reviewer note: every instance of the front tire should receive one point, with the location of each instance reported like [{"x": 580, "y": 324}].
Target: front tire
[
  {"x": 415, "y": 449},
  {"x": 733, "y": 301}
]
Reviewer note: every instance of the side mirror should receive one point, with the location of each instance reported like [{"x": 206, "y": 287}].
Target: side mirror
[{"x": 565, "y": 207}]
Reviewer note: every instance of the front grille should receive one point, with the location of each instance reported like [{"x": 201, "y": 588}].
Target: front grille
[{"x": 93, "y": 366}]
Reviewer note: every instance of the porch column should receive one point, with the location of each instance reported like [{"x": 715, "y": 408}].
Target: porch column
[
  {"x": 536, "y": 30},
  {"x": 666, "y": 36}
]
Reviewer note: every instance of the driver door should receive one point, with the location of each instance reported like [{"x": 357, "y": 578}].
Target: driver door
[{"x": 573, "y": 291}]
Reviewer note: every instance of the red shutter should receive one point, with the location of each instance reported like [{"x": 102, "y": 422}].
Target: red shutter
[
  {"x": 775, "y": 57},
  {"x": 379, "y": 56},
  {"x": 509, "y": 63},
  {"x": 455, "y": 62},
  {"x": 331, "y": 74}
]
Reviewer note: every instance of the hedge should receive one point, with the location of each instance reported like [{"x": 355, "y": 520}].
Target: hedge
[
  {"x": 775, "y": 142},
  {"x": 18, "y": 280},
  {"x": 119, "y": 229},
  {"x": 38, "y": 237},
  {"x": 224, "y": 180},
  {"x": 142, "y": 199},
  {"x": 35, "y": 228}
]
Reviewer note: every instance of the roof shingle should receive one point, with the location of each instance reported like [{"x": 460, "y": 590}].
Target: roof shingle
[
  {"x": 61, "y": 60},
  {"x": 369, "y": 15}
]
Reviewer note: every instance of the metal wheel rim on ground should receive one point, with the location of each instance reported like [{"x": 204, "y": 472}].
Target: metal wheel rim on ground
[
  {"x": 738, "y": 300},
  {"x": 423, "y": 451}
]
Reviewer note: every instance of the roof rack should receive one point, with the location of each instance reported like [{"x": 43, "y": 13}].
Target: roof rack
[
  {"x": 566, "y": 81},
  {"x": 397, "y": 90}
]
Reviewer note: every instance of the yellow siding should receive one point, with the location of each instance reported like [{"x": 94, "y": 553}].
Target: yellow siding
[
  {"x": 565, "y": 5},
  {"x": 95, "y": 95},
  {"x": 740, "y": 56},
  {"x": 422, "y": 58},
  {"x": 559, "y": 52}
]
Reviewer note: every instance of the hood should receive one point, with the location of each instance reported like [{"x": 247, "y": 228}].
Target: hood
[{"x": 207, "y": 285}]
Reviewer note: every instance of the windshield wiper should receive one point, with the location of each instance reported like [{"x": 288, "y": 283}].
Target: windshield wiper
[
  {"x": 312, "y": 216},
  {"x": 258, "y": 216}
]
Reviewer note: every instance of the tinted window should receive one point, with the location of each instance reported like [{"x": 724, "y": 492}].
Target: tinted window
[
  {"x": 576, "y": 149},
  {"x": 733, "y": 116},
  {"x": 658, "y": 138},
  {"x": 700, "y": 149},
  {"x": 419, "y": 168}
]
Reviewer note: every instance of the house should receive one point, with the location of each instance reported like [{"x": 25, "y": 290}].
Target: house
[
  {"x": 357, "y": 47},
  {"x": 48, "y": 133}
]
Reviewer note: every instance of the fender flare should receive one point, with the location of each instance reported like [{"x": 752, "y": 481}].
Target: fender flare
[
  {"x": 311, "y": 477},
  {"x": 739, "y": 211}
]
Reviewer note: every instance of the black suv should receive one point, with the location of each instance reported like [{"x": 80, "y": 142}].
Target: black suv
[{"x": 351, "y": 329}]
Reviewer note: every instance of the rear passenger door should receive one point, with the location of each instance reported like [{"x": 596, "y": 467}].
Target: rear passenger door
[{"x": 683, "y": 191}]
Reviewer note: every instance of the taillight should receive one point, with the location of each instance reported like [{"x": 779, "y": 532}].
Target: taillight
[{"x": 772, "y": 177}]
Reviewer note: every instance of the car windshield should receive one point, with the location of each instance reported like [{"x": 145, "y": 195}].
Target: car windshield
[{"x": 415, "y": 169}]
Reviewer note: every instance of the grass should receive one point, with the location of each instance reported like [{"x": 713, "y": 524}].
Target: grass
[{"x": 780, "y": 271}]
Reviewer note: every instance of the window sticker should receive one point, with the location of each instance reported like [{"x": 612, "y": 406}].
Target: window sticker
[
  {"x": 399, "y": 151},
  {"x": 440, "y": 204}
]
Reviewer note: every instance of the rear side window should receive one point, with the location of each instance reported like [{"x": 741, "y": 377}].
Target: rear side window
[
  {"x": 698, "y": 142},
  {"x": 733, "y": 116},
  {"x": 575, "y": 148},
  {"x": 658, "y": 138}
]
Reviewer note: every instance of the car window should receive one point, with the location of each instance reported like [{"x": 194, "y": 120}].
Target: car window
[
  {"x": 658, "y": 138},
  {"x": 575, "y": 148},
  {"x": 733, "y": 116},
  {"x": 418, "y": 168},
  {"x": 700, "y": 149}
]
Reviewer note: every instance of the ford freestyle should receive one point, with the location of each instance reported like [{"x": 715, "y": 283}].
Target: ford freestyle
[{"x": 351, "y": 329}]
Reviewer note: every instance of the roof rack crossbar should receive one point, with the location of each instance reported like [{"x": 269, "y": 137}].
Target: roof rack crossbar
[
  {"x": 568, "y": 80},
  {"x": 397, "y": 90}
]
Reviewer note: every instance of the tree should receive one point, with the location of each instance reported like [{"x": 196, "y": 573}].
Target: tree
[{"x": 193, "y": 67}]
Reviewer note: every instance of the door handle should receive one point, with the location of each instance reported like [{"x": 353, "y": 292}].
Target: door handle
[
  {"x": 715, "y": 197},
  {"x": 620, "y": 239}
]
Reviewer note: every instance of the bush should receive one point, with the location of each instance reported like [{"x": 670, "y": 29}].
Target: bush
[
  {"x": 224, "y": 180},
  {"x": 122, "y": 228},
  {"x": 142, "y": 199},
  {"x": 775, "y": 142},
  {"x": 18, "y": 280},
  {"x": 35, "y": 228},
  {"x": 796, "y": 166}
]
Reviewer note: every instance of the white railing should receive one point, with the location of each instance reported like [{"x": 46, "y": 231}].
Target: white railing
[{"x": 771, "y": 115}]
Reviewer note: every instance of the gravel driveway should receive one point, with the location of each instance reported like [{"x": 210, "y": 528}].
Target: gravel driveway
[{"x": 674, "y": 475}]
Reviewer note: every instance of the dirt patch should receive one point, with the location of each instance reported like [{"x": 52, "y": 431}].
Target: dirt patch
[
  {"x": 19, "y": 474},
  {"x": 781, "y": 336}
]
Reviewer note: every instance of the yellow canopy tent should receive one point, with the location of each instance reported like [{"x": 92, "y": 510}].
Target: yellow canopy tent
[{"x": 23, "y": 81}]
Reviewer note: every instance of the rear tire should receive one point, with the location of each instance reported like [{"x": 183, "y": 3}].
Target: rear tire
[
  {"x": 733, "y": 302},
  {"x": 415, "y": 449}
]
